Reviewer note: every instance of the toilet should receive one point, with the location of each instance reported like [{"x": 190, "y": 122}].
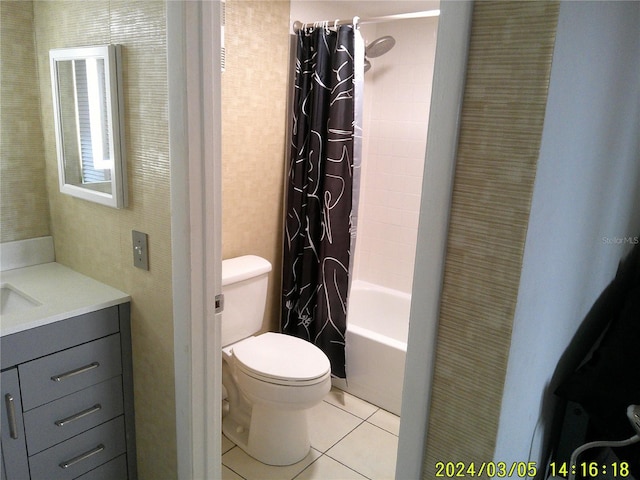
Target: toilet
[{"x": 269, "y": 381}]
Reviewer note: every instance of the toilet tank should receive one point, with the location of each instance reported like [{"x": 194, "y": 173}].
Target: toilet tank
[{"x": 244, "y": 285}]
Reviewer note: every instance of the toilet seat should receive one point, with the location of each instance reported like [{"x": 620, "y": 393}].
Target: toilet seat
[{"x": 281, "y": 359}]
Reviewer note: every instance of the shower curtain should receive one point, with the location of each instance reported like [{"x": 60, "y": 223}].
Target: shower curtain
[{"x": 320, "y": 213}]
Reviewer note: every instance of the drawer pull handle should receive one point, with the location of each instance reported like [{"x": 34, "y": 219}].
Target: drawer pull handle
[
  {"x": 77, "y": 371},
  {"x": 11, "y": 415},
  {"x": 61, "y": 423},
  {"x": 82, "y": 456}
]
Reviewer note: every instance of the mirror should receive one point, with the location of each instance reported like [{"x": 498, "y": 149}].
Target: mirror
[{"x": 87, "y": 103}]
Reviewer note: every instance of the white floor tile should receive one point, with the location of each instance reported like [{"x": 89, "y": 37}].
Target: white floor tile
[
  {"x": 326, "y": 468},
  {"x": 349, "y": 403},
  {"x": 226, "y": 444},
  {"x": 386, "y": 420},
  {"x": 251, "y": 469},
  {"x": 229, "y": 474},
  {"x": 353, "y": 448},
  {"x": 368, "y": 450},
  {"x": 328, "y": 425}
]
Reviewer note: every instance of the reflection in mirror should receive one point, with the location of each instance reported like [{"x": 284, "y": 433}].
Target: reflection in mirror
[
  {"x": 85, "y": 123},
  {"x": 86, "y": 91}
]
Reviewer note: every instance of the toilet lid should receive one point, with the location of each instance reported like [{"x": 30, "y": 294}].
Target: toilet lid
[{"x": 281, "y": 358}]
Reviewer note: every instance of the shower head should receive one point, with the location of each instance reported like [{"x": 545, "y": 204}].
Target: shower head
[{"x": 380, "y": 46}]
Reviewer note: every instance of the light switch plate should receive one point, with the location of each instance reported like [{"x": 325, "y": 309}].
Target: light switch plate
[{"x": 140, "y": 250}]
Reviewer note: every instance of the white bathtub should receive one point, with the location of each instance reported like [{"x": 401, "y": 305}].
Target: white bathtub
[{"x": 377, "y": 328}]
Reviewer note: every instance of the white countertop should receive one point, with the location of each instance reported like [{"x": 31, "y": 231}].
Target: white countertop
[{"x": 61, "y": 292}]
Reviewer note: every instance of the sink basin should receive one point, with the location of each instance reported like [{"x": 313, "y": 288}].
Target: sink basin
[{"x": 14, "y": 300}]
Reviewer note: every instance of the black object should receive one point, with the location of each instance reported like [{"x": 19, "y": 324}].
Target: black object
[{"x": 607, "y": 380}]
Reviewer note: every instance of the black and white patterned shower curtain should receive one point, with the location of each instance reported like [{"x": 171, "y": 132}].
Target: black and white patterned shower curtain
[{"x": 320, "y": 193}]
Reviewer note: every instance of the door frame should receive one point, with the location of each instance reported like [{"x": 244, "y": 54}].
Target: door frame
[{"x": 194, "y": 85}]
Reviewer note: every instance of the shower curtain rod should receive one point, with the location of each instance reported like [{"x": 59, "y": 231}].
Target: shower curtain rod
[{"x": 298, "y": 25}]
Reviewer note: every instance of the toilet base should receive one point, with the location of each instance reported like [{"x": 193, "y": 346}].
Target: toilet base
[{"x": 275, "y": 437}]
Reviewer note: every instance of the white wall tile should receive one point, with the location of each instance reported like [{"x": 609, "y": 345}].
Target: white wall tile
[{"x": 397, "y": 96}]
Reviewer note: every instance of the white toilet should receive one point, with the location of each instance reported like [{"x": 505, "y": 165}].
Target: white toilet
[{"x": 270, "y": 380}]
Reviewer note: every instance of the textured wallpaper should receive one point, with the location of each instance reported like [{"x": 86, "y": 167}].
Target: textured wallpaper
[
  {"x": 96, "y": 240},
  {"x": 254, "y": 120},
  {"x": 23, "y": 193},
  {"x": 501, "y": 126}
]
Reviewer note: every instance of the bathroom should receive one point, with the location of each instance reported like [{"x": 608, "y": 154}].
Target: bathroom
[
  {"x": 407, "y": 106},
  {"x": 241, "y": 86},
  {"x": 396, "y": 107},
  {"x": 80, "y": 228}
]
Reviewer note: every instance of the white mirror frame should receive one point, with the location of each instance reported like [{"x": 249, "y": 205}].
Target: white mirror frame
[{"x": 111, "y": 54}]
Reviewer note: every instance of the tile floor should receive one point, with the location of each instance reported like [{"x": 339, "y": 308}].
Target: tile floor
[{"x": 350, "y": 439}]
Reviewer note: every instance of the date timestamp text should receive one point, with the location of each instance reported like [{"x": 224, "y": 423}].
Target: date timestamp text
[{"x": 490, "y": 469}]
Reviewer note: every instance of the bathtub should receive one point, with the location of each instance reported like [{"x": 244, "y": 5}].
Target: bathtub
[{"x": 377, "y": 329}]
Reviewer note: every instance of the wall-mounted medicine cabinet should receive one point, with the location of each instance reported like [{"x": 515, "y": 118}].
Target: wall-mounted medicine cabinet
[{"x": 88, "y": 114}]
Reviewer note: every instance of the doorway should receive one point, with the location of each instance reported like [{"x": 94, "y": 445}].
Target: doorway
[{"x": 195, "y": 184}]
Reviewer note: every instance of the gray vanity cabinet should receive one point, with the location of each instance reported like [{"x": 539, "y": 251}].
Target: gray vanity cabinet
[{"x": 67, "y": 393}]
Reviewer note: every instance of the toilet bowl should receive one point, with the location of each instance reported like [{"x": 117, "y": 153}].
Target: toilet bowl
[
  {"x": 277, "y": 379},
  {"x": 270, "y": 381}
]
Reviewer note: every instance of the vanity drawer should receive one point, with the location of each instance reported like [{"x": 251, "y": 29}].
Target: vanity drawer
[
  {"x": 37, "y": 342},
  {"x": 57, "y": 421},
  {"x": 81, "y": 453},
  {"x": 115, "y": 469},
  {"x": 68, "y": 371}
]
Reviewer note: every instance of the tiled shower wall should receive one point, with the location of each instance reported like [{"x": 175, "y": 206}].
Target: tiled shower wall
[
  {"x": 396, "y": 113},
  {"x": 23, "y": 193}
]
